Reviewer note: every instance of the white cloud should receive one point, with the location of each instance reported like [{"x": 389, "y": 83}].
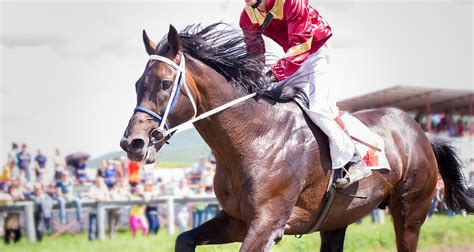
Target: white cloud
[{"x": 68, "y": 69}]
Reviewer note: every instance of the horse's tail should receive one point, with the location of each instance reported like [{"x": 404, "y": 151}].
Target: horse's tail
[{"x": 458, "y": 194}]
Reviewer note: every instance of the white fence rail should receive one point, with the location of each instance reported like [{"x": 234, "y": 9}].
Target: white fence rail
[{"x": 28, "y": 208}]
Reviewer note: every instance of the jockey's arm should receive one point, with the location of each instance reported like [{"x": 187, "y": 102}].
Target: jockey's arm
[
  {"x": 253, "y": 37},
  {"x": 300, "y": 36}
]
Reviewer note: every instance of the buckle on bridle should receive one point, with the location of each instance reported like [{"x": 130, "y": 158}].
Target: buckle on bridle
[{"x": 158, "y": 135}]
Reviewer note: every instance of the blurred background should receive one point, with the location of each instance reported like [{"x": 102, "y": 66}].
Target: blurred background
[{"x": 68, "y": 69}]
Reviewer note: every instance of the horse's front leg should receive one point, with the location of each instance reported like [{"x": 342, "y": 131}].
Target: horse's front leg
[
  {"x": 220, "y": 229},
  {"x": 267, "y": 225}
]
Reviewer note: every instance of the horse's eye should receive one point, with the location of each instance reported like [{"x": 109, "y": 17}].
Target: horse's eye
[{"x": 166, "y": 84}]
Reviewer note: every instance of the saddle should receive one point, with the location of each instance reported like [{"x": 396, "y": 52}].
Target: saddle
[{"x": 369, "y": 144}]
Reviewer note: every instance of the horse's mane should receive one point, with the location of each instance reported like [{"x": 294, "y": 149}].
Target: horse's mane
[{"x": 223, "y": 48}]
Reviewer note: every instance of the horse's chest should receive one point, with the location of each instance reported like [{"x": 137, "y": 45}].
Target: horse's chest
[{"x": 228, "y": 193}]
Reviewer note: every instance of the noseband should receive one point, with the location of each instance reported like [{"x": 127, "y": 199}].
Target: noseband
[{"x": 178, "y": 83}]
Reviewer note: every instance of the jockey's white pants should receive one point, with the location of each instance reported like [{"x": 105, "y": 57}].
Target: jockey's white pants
[{"x": 314, "y": 78}]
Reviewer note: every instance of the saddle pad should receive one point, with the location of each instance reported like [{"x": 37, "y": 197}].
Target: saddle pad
[{"x": 375, "y": 159}]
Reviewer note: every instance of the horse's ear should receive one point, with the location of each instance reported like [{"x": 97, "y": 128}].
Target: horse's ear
[
  {"x": 173, "y": 40},
  {"x": 150, "y": 46}
]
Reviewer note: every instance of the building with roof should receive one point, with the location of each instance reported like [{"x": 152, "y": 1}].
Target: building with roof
[
  {"x": 415, "y": 100},
  {"x": 426, "y": 102}
]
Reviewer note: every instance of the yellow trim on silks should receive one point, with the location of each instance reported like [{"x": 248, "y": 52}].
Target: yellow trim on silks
[
  {"x": 257, "y": 17},
  {"x": 277, "y": 9},
  {"x": 299, "y": 49}
]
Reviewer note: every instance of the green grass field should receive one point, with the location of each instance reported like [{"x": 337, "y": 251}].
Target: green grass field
[{"x": 439, "y": 232}]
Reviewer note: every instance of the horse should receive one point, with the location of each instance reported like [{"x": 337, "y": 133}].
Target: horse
[{"x": 272, "y": 164}]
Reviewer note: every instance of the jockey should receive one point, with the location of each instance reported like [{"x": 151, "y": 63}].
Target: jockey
[{"x": 302, "y": 32}]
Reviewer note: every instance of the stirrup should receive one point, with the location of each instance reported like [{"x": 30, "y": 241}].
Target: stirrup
[{"x": 362, "y": 172}]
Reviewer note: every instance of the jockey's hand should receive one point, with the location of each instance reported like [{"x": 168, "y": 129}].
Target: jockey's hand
[{"x": 270, "y": 77}]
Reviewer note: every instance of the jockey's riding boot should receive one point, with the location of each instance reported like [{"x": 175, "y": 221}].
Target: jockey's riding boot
[{"x": 356, "y": 168}]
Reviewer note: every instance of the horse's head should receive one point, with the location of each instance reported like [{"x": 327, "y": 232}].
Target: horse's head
[{"x": 162, "y": 99}]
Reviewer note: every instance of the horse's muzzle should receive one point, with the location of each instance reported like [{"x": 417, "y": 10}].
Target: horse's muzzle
[{"x": 136, "y": 148}]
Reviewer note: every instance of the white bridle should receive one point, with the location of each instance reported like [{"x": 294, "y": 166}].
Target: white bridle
[{"x": 180, "y": 81}]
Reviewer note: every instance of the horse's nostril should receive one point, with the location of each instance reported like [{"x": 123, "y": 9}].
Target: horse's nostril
[
  {"x": 124, "y": 144},
  {"x": 137, "y": 145}
]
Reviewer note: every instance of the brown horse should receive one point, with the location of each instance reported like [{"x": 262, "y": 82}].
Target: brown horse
[{"x": 272, "y": 164}]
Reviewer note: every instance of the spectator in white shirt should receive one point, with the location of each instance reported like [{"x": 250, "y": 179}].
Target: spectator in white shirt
[
  {"x": 182, "y": 210},
  {"x": 99, "y": 193}
]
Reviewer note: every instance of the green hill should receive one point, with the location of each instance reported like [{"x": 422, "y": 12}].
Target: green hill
[{"x": 184, "y": 150}]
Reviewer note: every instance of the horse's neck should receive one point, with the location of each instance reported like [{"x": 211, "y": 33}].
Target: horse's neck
[{"x": 226, "y": 131}]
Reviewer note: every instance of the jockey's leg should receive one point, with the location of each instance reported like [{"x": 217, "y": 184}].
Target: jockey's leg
[
  {"x": 321, "y": 102},
  {"x": 341, "y": 146},
  {"x": 357, "y": 169}
]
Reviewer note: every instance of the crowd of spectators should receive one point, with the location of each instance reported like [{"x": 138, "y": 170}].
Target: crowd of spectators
[
  {"x": 447, "y": 125},
  {"x": 24, "y": 178}
]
